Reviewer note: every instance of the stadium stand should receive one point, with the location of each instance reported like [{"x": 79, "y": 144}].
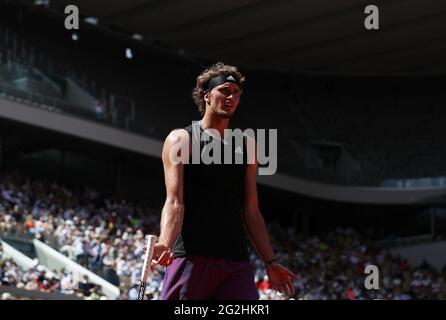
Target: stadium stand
[
  {"x": 106, "y": 236},
  {"x": 339, "y": 133},
  {"x": 332, "y": 129}
]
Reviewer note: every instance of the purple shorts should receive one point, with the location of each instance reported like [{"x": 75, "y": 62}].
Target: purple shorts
[{"x": 204, "y": 278}]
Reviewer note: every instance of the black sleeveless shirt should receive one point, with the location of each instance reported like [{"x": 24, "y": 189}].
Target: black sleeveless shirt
[{"x": 213, "y": 197}]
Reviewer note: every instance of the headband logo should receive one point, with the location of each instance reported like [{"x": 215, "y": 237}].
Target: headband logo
[{"x": 230, "y": 78}]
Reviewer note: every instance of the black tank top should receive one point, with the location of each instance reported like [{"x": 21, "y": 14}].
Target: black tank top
[{"x": 213, "y": 203}]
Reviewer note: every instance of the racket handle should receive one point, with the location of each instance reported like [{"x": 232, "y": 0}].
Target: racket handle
[
  {"x": 142, "y": 290},
  {"x": 151, "y": 240}
]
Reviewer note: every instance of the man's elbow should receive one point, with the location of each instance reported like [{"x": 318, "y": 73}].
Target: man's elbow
[
  {"x": 175, "y": 204},
  {"x": 252, "y": 215}
]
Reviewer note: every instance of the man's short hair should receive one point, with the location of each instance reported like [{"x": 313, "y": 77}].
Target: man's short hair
[{"x": 217, "y": 69}]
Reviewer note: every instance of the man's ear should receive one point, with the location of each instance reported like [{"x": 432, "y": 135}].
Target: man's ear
[{"x": 207, "y": 97}]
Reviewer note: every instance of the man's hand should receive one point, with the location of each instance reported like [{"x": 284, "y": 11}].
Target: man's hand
[
  {"x": 281, "y": 279},
  {"x": 162, "y": 255}
]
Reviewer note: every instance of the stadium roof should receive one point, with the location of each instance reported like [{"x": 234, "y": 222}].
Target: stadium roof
[{"x": 319, "y": 36}]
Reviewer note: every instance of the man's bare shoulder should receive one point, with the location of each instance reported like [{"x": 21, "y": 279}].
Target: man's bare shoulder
[
  {"x": 176, "y": 147},
  {"x": 176, "y": 136}
]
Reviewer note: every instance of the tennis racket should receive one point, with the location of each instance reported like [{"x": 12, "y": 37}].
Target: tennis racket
[{"x": 151, "y": 240}]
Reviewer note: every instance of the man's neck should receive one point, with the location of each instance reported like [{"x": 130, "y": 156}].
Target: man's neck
[{"x": 212, "y": 121}]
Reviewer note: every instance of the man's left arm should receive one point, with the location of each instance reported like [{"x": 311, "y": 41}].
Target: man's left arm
[{"x": 280, "y": 277}]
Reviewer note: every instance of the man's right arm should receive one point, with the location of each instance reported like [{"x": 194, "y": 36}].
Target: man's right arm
[{"x": 173, "y": 210}]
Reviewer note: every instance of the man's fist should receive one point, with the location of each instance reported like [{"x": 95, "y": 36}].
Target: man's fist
[{"x": 162, "y": 255}]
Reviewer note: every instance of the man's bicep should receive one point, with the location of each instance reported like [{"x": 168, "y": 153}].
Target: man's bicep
[{"x": 173, "y": 169}]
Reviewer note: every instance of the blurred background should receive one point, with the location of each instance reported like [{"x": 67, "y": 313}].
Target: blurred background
[{"x": 361, "y": 142}]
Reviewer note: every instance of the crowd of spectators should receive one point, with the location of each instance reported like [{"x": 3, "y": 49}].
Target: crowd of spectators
[
  {"x": 106, "y": 235},
  {"x": 331, "y": 266},
  {"x": 101, "y": 234},
  {"x": 38, "y": 278}
]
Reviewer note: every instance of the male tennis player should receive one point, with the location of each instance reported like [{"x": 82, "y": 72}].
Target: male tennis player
[{"x": 209, "y": 208}]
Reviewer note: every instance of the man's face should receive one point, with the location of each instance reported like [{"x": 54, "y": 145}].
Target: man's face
[{"x": 223, "y": 99}]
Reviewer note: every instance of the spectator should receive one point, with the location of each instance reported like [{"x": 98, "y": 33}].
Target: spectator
[
  {"x": 110, "y": 274},
  {"x": 100, "y": 109},
  {"x": 85, "y": 286}
]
